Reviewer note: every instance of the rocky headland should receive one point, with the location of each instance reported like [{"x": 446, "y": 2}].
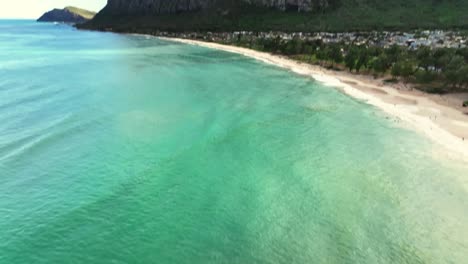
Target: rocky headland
[{"x": 67, "y": 15}]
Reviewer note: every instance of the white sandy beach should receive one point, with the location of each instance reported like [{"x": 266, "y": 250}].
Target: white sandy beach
[{"x": 427, "y": 114}]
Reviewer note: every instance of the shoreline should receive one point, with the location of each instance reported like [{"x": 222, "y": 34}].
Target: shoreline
[{"x": 443, "y": 124}]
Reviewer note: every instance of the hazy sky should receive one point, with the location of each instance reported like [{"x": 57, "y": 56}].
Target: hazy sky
[{"x": 35, "y": 8}]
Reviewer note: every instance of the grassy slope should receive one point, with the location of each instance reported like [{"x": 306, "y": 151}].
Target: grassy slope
[
  {"x": 82, "y": 12},
  {"x": 348, "y": 15}
]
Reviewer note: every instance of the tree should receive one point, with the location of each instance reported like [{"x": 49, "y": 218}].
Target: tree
[
  {"x": 380, "y": 64},
  {"x": 425, "y": 58},
  {"x": 407, "y": 69},
  {"x": 363, "y": 59},
  {"x": 271, "y": 44},
  {"x": 452, "y": 70},
  {"x": 294, "y": 46},
  {"x": 404, "y": 69},
  {"x": 396, "y": 69},
  {"x": 425, "y": 76},
  {"x": 462, "y": 76},
  {"x": 393, "y": 54},
  {"x": 441, "y": 58},
  {"x": 351, "y": 58},
  {"x": 309, "y": 50},
  {"x": 373, "y": 51},
  {"x": 463, "y": 52},
  {"x": 276, "y": 44},
  {"x": 321, "y": 55},
  {"x": 335, "y": 54}
]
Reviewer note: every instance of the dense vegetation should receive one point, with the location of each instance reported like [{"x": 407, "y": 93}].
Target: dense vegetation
[
  {"x": 434, "y": 70},
  {"x": 336, "y": 15}
]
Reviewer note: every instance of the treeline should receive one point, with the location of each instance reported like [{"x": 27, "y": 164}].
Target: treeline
[{"x": 435, "y": 70}]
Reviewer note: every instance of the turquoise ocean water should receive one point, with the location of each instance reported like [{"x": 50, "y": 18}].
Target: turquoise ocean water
[{"x": 128, "y": 149}]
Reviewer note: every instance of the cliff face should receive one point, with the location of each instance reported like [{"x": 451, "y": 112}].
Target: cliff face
[{"x": 177, "y": 6}]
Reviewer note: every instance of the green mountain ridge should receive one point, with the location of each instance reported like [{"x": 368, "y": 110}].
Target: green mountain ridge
[{"x": 334, "y": 15}]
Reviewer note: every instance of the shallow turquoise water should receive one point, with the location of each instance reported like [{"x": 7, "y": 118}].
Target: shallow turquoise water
[{"x": 127, "y": 149}]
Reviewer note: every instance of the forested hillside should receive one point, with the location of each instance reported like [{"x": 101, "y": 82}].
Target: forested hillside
[{"x": 285, "y": 15}]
